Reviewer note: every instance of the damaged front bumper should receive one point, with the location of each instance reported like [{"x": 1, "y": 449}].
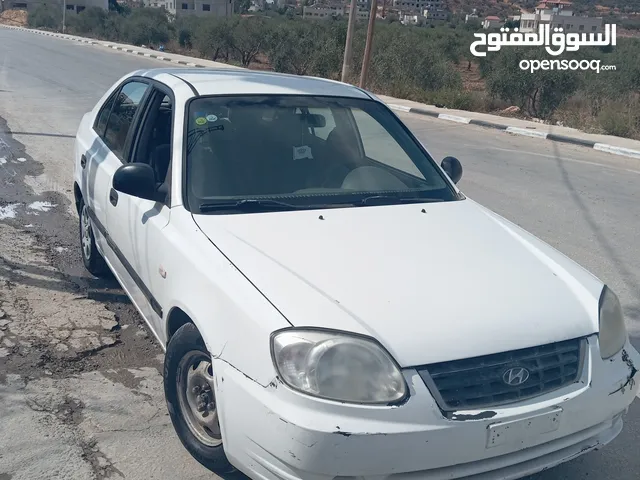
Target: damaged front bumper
[{"x": 275, "y": 433}]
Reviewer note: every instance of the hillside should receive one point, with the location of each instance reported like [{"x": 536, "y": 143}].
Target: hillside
[{"x": 503, "y": 8}]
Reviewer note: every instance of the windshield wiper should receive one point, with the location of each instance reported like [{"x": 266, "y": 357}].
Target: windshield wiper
[
  {"x": 394, "y": 200},
  {"x": 249, "y": 205}
]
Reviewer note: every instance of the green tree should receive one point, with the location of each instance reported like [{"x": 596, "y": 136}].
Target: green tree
[
  {"x": 293, "y": 46},
  {"x": 90, "y": 21},
  {"x": 248, "y": 39},
  {"x": 213, "y": 37},
  {"x": 46, "y": 16},
  {"x": 242, "y": 6},
  {"x": 186, "y": 28},
  {"x": 538, "y": 94},
  {"x": 147, "y": 26}
]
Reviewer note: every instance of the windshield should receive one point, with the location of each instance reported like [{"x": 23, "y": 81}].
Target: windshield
[{"x": 304, "y": 152}]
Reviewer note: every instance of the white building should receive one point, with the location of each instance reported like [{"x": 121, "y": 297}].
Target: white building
[
  {"x": 471, "y": 16},
  {"x": 321, "y": 11},
  {"x": 419, "y": 5},
  {"x": 436, "y": 14},
  {"x": 324, "y": 11},
  {"x": 73, "y": 6},
  {"x": 492, "y": 22},
  {"x": 220, "y": 8},
  {"x": 558, "y": 13}
]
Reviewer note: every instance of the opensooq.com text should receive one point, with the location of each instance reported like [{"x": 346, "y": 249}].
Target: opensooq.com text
[{"x": 535, "y": 65}]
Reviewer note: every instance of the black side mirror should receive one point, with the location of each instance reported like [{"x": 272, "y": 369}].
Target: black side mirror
[
  {"x": 137, "y": 180},
  {"x": 453, "y": 167}
]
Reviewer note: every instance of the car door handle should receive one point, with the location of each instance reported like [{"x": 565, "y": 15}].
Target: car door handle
[
  {"x": 113, "y": 197},
  {"x": 83, "y": 161}
]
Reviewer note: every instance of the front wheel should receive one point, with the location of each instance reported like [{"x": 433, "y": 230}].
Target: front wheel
[{"x": 191, "y": 401}]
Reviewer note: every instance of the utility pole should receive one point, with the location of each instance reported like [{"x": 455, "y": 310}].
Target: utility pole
[
  {"x": 64, "y": 15},
  {"x": 367, "y": 48},
  {"x": 348, "y": 54}
]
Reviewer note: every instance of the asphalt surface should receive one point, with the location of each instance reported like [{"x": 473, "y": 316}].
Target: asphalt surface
[{"x": 80, "y": 393}]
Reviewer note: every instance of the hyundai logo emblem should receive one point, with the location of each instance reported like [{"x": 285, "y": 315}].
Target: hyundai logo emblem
[{"x": 515, "y": 376}]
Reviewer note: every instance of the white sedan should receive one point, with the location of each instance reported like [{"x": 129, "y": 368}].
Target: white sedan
[{"x": 331, "y": 305}]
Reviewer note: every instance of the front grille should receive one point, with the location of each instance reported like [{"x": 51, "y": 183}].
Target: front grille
[{"x": 482, "y": 382}]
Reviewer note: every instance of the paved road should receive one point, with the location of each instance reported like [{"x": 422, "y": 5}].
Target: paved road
[{"x": 79, "y": 388}]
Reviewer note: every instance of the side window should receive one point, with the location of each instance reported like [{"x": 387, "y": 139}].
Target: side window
[
  {"x": 103, "y": 116},
  {"x": 379, "y": 145},
  {"x": 153, "y": 143},
  {"x": 124, "y": 110}
]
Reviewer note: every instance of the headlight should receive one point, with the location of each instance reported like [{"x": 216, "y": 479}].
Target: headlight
[
  {"x": 337, "y": 366},
  {"x": 613, "y": 332}
]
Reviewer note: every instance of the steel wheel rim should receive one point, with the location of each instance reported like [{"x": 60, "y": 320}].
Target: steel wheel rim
[
  {"x": 196, "y": 398},
  {"x": 85, "y": 227}
]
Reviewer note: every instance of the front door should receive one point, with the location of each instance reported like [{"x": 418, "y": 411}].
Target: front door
[{"x": 135, "y": 224}]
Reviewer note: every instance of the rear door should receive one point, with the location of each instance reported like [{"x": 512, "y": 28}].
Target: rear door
[{"x": 104, "y": 152}]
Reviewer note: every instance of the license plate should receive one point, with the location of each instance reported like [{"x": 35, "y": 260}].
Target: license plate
[{"x": 524, "y": 430}]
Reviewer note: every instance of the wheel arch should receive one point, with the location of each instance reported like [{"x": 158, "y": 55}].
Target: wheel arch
[
  {"x": 77, "y": 195},
  {"x": 176, "y": 318}
]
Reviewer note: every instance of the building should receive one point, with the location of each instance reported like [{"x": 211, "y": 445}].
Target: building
[
  {"x": 322, "y": 11},
  {"x": 558, "y": 14},
  {"x": 325, "y": 11},
  {"x": 492, "y": 22},
  {"x": 219, "y": 8},
  {"x": 419, "y": 5},
  {"x": 436, "y": 14},
  {"x": 471, "y": 16},
  {"x": 73, "y": 6}
]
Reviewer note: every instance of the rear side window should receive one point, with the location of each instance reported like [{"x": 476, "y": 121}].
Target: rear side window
[
  {"x": 103, "y": 116},
  {"x": 125, "y": 107}
]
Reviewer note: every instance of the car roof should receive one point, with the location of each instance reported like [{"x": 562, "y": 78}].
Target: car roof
[{"x": 239, "y": 81}]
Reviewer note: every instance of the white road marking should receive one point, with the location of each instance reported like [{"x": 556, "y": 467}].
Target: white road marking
[
  {"x": 526, "y": 132},
  {"x": 401, "y": 108},
  {"x": 627, "y": 152},
  {"x": 453, "y": 118},
  {"x": 21, "y": 159}
]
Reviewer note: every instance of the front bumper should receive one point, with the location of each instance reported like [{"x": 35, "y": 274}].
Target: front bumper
[{"x": 275, "y": 433}]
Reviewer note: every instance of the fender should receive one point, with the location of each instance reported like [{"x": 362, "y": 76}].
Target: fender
[{"x": 232, "y": 315}]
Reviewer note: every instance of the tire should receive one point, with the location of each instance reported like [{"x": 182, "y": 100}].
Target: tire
[
  {"x": 91, "y": 257},
  {"x": 185, "y": 350}
]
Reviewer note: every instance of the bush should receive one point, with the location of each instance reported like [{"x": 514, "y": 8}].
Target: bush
[
  {"x": 46, "y": 16},
  {"x": 538, "y": 94},
  {"x": 147, "y": 26},
  {"x": 621, "y": 119}
]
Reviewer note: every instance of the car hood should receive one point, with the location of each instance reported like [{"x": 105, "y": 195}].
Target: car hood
[{"x": 432, "y": 282}]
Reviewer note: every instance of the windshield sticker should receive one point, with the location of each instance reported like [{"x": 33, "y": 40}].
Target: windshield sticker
[
  {"x": 211, "y": 118},
  {"x": 201, "y": 121},
  {"x": 302, "y": 152}
]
